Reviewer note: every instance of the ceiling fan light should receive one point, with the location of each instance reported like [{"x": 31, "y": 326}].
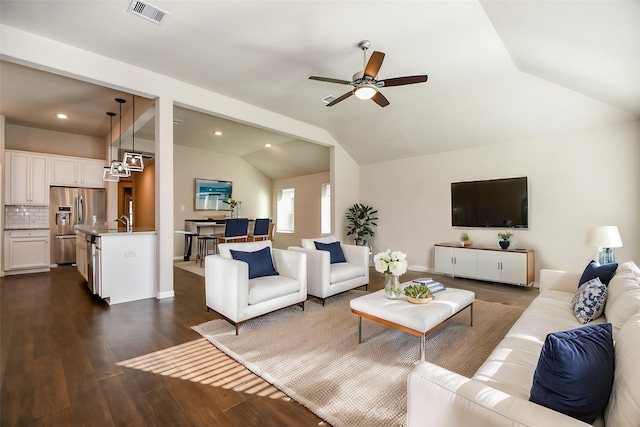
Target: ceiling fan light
[{"x": 365, "y": 91}]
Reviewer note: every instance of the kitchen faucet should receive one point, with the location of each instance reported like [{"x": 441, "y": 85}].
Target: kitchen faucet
[{"x": 126, "y": 221}]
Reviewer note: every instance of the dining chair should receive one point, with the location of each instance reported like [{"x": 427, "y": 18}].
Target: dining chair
[
  {"x": 235, "y": 230},
  {"x": 260, "y": 230}
]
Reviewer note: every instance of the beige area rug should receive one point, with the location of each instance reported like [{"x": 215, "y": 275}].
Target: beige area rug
[
  {"x": 314, "y": 356},
  {"x": 191, "y": 267}
]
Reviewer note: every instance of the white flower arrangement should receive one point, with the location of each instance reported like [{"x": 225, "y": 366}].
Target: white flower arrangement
[{"x": 392, "y": 262}]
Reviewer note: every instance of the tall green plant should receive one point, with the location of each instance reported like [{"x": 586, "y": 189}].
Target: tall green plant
[{"x": 361, "y": 221}]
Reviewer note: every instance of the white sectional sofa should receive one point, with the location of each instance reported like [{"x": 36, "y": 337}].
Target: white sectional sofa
[{"x": 498, "y": 394}]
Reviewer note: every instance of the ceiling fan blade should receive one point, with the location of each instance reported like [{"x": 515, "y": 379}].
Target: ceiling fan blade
[
  {"x": 330, "y": 80},
  {"x": 379, "y": 99},
  {"x": 407, "y": 80},
  {"x": 342, "y": 98},
  {"x": 374, "y": 64}
]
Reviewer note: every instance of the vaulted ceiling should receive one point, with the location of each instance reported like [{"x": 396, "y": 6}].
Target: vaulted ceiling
[{"x": 498, "y": 70}]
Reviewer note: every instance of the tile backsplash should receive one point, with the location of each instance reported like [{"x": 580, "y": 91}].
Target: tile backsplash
[{"x": 18, "y": 216}]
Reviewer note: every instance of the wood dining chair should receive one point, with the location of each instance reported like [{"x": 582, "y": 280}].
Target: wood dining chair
[
  {"x": 260, "y": 230},
  {"x": 235, "y": 230}
]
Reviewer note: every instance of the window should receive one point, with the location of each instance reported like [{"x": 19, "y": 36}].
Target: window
[
  {"x": 325, "y": 209},
  {"x": 285, "y": 210}
]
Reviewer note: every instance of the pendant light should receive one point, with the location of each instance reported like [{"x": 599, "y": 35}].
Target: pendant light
[
  {"x": 106, "y": 173},
  {"x": 132, "y": 159},
  {"x": 119, "y": 168}
]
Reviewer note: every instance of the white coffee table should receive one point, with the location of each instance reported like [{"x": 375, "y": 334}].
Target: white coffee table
[{"x": 416, "y": 319}]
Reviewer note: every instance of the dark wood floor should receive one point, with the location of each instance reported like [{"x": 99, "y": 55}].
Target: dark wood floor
[{"x": 59, "y": 349}]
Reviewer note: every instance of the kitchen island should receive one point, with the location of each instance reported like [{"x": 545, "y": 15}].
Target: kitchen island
[{"x": 119, "y": 266}]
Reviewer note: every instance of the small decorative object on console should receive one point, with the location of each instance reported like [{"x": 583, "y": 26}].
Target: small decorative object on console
[
  {"x": 465, "y": 240},
  {"x": 392, "y": 264},
  {"x": 418, "y": 294},
  {"x": 504, "y": 239}
]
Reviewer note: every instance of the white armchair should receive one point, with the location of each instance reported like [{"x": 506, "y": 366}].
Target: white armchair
[
  {"x": 325, "y": 279},
  {"x": 231, "y": 294}
]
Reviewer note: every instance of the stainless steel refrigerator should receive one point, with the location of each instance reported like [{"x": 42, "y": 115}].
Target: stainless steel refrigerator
[{"x": 68, "y": 207}]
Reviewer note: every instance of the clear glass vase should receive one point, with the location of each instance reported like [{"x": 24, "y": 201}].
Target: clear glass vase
[{"x": 392, "y": 286}]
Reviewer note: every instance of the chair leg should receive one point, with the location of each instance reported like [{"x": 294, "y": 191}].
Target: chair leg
[
  {"x": 208, "y": 310},
  {"x": 237, "y": 326},
  {"x": 323, "y": 299},
  {"x": 302, "y": 305}
]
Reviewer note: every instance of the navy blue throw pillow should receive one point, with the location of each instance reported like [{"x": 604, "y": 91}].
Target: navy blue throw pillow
[
  {"x": 574, "y": 375},
  {"x": 260, "y": 262},
  {"x": 334, "y": 249},
  {"x": 604, "y": 272}
]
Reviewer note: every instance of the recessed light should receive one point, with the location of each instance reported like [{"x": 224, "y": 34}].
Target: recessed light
[
  {"x": 267, "y": 145},
  {"x": 217, "y": 133},
  {"x": 61, "y": 116}
]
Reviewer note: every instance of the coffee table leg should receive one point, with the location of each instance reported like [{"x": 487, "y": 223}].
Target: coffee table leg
[
  {"x": 471, "y": 316},
  {"x": 422, "y": 344},
  {"x": 359, "y": 329}
]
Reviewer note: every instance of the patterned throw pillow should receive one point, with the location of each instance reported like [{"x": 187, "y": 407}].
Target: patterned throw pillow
[{"x": 588, "y": 302}]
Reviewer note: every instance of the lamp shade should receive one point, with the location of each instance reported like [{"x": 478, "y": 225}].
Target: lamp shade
[{"x": 603, "y": 236}]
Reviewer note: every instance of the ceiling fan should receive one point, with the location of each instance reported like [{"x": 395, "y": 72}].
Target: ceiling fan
[{"x": 365, "y": 84}]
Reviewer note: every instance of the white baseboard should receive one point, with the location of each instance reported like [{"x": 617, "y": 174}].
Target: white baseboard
[
  {"x": 421, "y": 268},
  {"x": 167, "y": 294}
]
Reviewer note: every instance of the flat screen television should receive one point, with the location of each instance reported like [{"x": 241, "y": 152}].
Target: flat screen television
[
  {"x": 212, "y": 195},
  {"x": 502, "y": 203}
]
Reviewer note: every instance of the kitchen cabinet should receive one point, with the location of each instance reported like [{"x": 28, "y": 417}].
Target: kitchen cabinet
[
  {"x": 26, "y": 251},
  {"x": 26, "y": 178},
  {"x": 76, "y": 172},
  {"x": 455, "y": 261},
  {"x": 514, "y": 266}
]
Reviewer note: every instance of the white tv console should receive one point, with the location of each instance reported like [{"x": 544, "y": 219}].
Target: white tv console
[{"x": 513, "y": 266}]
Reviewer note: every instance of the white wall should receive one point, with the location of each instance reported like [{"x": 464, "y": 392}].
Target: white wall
[
  {"x": 576, "y": 180},
  {"x": 51, "y": 142},
  {"x": 308, "y": 191}
]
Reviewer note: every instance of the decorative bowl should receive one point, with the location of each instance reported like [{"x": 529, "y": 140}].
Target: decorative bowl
[{"x": 419, "y": 300}]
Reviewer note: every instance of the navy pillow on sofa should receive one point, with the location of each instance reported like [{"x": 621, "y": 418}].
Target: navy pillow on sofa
[
  {"x": 604, "y": 272},
  {"x": 334, "y": 249},
  {"x": 260, "y": 262},
  {"x": 574, "y": 375}
]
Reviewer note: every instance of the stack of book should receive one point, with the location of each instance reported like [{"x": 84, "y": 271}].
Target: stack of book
[{"x": 431, "y": 284}]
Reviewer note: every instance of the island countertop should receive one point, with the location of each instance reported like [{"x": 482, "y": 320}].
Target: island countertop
[{"x": 105, "y": 231}]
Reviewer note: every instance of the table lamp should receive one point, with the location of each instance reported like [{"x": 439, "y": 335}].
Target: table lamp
[{"x": 604, "y": 237}]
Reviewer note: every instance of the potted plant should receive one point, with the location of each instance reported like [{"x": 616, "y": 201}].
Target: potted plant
[
  {"x": 504, "y": 239},
  {"x": 418, "y": 294},
  {"x": 361, "y": 222},
  {"x": 465, "y": 240}
]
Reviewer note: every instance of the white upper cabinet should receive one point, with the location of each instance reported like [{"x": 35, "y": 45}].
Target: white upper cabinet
[
  {"x": 73, "y": 171},
  {"x": 26, "y": 180}
]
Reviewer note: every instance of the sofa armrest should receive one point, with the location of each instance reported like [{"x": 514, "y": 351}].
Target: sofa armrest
[
  {"x": 439, "y": 397},
  {"x": 358, "y": 255},
  {"x": 291, "y": 264},
  {"x": 318, "y": 270},
  {"x": 226, "y": 283},
  {"x": 558, "y": 280}
]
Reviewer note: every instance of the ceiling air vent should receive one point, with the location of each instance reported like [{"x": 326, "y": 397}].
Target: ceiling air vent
[
  {"x": 329, "y": 98},
  {"x": 147, "y": 11}
]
